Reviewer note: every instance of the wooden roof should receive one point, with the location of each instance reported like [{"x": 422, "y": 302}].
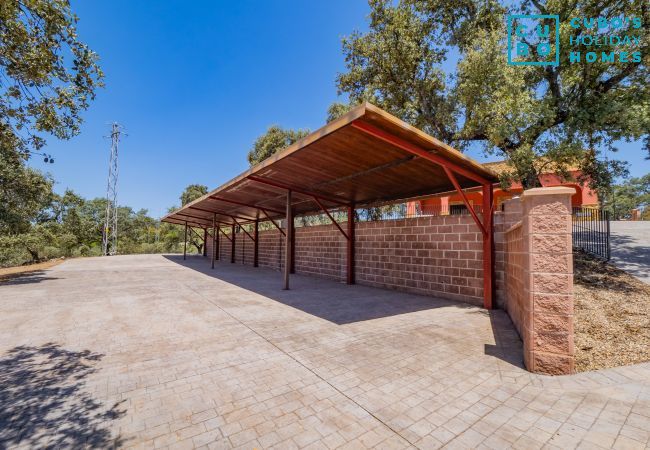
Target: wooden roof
[{"x": 365, "y": 157}]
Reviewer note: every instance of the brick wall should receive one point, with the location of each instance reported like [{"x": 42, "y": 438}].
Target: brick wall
[
  {"x": 437, "y": 256},
  {"x": 515, "y": 272},
  {"x": 442, "y": 257}
]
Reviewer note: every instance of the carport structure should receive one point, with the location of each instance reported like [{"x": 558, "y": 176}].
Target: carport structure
[{"x": 366, "y": 157}]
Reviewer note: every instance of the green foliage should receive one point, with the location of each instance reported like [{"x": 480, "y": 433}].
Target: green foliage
[
  {"x": 633, "y": 194},
  {"x": 338, "y": 109},
  {"x": 519, "y": 112},
  {"x": 48, "y": 77},
  {"x": 192, "y": 192},
  {"x": 24, "y": 192},
  {"x": 69, "y": 226},
  {"x": 275, "y": 139}
]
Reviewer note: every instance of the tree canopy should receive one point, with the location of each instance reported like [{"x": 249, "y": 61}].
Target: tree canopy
[
  {"x": 275, "y": 139},
  {"x": 192, "y": 192},
  {"x": 47, "y": 78},
  {"x": 633, "y": 194},
  {"x": 570, "y": 112}
]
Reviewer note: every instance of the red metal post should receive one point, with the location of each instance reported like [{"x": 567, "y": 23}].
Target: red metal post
[
  {"x": 242, "y": 229},
  {"x": 185, "y": 243},
  {"x": 256, "y": 233},
  {"x": 232, "y": 244},
  {"x": 214, "y": 238},
  {"x": 488, "y": 247},
  {"x": 350, "y": 247},
  {"x": 218, "y": 243},
  {"x": 293, "y": 247},
  {"x": 287, "y": 240}
]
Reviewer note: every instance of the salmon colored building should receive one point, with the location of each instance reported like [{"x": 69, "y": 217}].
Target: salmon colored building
[{"x": 453, "y": 203}]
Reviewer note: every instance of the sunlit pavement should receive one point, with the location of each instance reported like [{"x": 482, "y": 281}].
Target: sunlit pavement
[{"x": 153, "y": 351}]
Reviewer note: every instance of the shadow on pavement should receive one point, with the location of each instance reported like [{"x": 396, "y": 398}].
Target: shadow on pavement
[
  {"x": 35, "y": 276},
  {"x": 330, "y": 300},
  {"x": 342, "y": 304},
  {"x": 42, "y": 404}
]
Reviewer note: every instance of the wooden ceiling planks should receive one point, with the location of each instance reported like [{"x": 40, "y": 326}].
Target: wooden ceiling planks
[{"x": 339, "y": 161}]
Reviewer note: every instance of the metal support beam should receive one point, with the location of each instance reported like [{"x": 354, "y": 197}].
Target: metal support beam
[
  {"x": 218, "y": 243},
  {"x": 488, "y": 247},
  {"x": 221, "y": 213},
  {"x": 192, "y": 217},
  {"x": 182, "y": 222},
  {"x": 293, "y": 246},
  {"x": 242, "y": 228},
  {"x": 468, "y": 205},
  {"x": 185, "y": 243},
  {"x": 331, "y": 218},
  {"x": 287, "y": 245},
  {"x": 415, "y": 150},
  {"x": 233, "y": 238},
  {"x": 256, "y": 233},
  {"x": 225, "y": 234},
  {"x": 336, "y": 201},
  {"x": 234, "y": 202},
  {"x": 214, "y": 238},
  {"x": 274, "y": 224},
  {"x": 205, "y": 242},
  {"x": 350, "y": 247}
]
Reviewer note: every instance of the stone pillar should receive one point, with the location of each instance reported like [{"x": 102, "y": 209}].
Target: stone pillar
[{"x": 548, "y": 280}]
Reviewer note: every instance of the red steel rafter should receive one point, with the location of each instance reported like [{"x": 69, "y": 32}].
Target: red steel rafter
[
  {"x": 331, "y": 218},
  {"x": 224, "y": 233},
  {"x": 221, "y": 199},
  {"x": 242, "y": 228},
  {"x": 415, "y": 150},
  {"x": 336, "y": 201},
  {"x": 450, "y": 168},
  {"x": 274, "y": 224},
  {"x": 468, "y": 205},
  {"x": 221, "y": 213}
]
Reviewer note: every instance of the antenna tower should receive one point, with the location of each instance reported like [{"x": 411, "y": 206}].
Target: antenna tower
[{"x": 109, "y": 238}]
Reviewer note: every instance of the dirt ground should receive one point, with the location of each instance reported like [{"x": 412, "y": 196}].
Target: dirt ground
[
  {"x": 612, "y": 315},
  {"x": 17, "y": 271}
]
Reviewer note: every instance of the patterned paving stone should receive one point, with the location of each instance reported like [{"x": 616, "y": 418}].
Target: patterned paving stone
[{"x": 155, "y": 352}]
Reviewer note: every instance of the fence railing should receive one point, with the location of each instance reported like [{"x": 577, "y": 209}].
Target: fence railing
[{"x": 591, "y": 231}]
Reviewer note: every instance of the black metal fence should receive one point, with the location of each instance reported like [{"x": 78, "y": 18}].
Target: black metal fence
[{"x": 591, "y": 231}]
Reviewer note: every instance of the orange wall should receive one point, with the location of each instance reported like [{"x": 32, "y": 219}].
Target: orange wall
[{"x": 583, "y": 196}]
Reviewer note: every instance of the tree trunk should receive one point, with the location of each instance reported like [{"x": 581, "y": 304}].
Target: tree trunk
[
  {"x": 33, "y": 253},
  {"x": 531, "y": 180}
]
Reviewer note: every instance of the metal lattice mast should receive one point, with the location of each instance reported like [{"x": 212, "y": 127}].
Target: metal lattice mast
[{"x": 109, "y": 240}]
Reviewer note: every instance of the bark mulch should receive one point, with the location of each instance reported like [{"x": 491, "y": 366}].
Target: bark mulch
[{"x": 612, "y": 315}]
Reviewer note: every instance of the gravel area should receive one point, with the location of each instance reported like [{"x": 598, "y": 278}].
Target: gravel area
[{"x": 612, "y": 315}]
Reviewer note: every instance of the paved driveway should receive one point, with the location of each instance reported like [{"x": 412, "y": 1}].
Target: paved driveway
[
  {"x": 630, "y": 243},
  {"x": 146, "y": 351}
]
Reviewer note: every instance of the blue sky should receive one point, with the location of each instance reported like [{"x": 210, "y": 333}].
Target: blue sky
[{"x": 194, "y": 83}]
